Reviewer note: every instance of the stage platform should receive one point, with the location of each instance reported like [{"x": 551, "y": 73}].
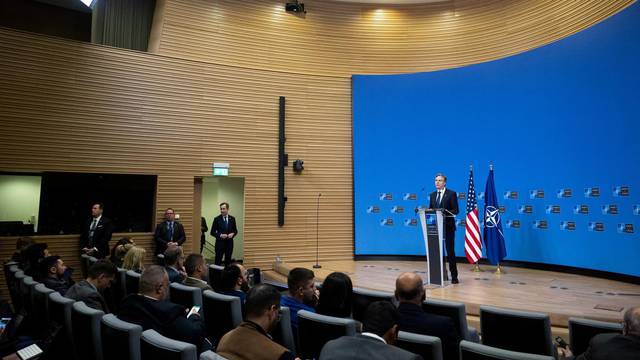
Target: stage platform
[{"x": 558, "y": 294}]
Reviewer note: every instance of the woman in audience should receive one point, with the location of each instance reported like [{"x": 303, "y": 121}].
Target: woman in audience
[
  {"x": 336, "y": 296},
  {"x": 134, "y": 259},
  {"x": 120, "y": 249}
]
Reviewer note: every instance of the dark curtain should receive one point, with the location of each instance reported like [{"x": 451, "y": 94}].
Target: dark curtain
[{"x": 123, "y": 23}]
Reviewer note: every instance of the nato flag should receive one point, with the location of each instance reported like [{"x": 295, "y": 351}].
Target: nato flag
[{"x": 492, "y": 233}]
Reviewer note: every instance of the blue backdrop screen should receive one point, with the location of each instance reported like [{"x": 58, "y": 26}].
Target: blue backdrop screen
[{"x": 559, "y": 123}]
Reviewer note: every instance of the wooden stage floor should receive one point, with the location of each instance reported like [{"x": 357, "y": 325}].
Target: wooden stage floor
[{"x": 559, "y": 294}]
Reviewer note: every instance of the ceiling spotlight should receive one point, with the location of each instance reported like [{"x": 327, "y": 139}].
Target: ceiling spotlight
[{"x": 295, "y": 6}]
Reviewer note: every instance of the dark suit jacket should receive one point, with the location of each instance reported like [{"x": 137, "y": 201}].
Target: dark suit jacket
[
  {"x": 449, "y": 202},
  {"x": 83, "y": 291},
  {"x": 612, "y": 346},
  {"x": 414, "y": 320},
  {"x": 362, "y": 347},
  {"x": 218, "y": 227},
  {"x": 174, "y": 275},
  {"x": 163, "y": 235},
  {"x": 101, "y": 236},
  {"x": 165, "y": 317}
]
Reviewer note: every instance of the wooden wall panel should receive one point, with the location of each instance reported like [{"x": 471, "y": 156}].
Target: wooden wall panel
[
  {"x": 68, "y": 106},
  {"x": 336, "y": 38}
]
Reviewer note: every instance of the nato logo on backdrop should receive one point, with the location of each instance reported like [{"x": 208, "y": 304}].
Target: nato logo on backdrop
[
  {"x": 386, "y": 196},
  {"x": 621, "y": 190},
  {"x": 461, "y": 223},
  {"x": 502, "y": 209},
  {"x": 411, "y": 222},
  {"x": 386, "y": 222},
  {"x": 565, "y": 193},
  {"x": 513, "y": 224},
  {"x": 581, "y": 209},
  {"x": 536, "y": 194},
  {"x": 625, "y": 228},
  {"x": 552, "y": 209},
  {"x": 596, "y": 226},
  {"x": 409, "y": 196},
  {"x": 373, "y": 209},
  {"x": 462, "y": 196},
  {"x": 610, "y": 209},
  {"x": 510, "y": 195},
  {"x": 568, "y": 225},
  {"x": 540, "y": 224},
  {"x": 397, "y": 209},
  {"x": 636, "y": 209},
  {"x": 592, "y": 192},
  {"x": 525, "y": 209},
  {"x": 480, "y": 195}
]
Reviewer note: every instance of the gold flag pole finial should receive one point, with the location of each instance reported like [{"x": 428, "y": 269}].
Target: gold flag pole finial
[
  {"x": 499, "y": 270},
  {"x": 476, "y": 267}
]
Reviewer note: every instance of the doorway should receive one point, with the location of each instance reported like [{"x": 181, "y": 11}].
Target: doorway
[{"x": 213, "y": 191}]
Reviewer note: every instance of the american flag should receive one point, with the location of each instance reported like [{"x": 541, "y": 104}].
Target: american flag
[{"x": 472, "y": 242}]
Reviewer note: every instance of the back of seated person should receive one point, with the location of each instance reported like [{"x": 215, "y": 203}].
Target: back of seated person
[
  {"x": 134, "y": 259},
  {"x": 151, "y": 310},
  {"x": 101, "y": 274},
  {"x": 32, "y": 255},
  {"x": 21, "y": 244},
  {"x": 410, "y": 293},
  {"x": 55, "y": 275},
  {"x": 197, "y": 272},
  {"x": 234, "y": 282},
  {"x": 173, "y": 260},
  {"x": 119, "y": 250},
  {"x": 336, "y": 296}
]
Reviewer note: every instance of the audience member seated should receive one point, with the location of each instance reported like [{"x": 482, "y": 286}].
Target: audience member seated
[
  {"x": 173, "y": 260},
  {"x": 336, "y": 296},
  {"x": 251, "y": 340},
  {"x": 233, "y": 281},
  {"x": 410, "y": 294},
  {"x": 32, "y": 255},
  {"x": 614, "y": 346},
  {"x": 119, "y": 250},
  {"x": 101, "y": 274},
  {"x": 380, "y": 332},
  {"x": 134, "y": 259},
  {"x": 55, "y": 275},
  {"x": 21, "y": 244},
  {"x": 197, "y": 272},
  {"x": 151, "y": 310},
  {"x": 303, "y": 294}
]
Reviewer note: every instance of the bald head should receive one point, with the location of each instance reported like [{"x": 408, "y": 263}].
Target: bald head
[
  {"x": 632, "y": 321},
  {"x": 409, "y": 288}
]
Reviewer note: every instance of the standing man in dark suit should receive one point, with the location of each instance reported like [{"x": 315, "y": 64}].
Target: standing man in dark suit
[
  {"x": 203, "y": 231},
  {"x": 447, "y": 199},
  {"x": 224, "y": 230},
  {"x": 410, "y": 294},
  {"x": 168, "y": 232},
  {"x": 96, "y": 233}
]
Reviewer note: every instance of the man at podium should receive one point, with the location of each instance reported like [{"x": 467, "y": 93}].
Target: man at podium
[{"x": 447, "y": 200}]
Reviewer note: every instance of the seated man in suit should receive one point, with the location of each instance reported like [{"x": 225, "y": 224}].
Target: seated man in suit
[
  {"x": 614, "y": 346},
  {"x": 410, "y": 294},
  {"x": 101, "y": 274},
  {"x": 303, "y": 294},
  {"x": 173, "y": 260},
  {"x": 251, "y": 340},
  {"x": 233, "y": 281},
  {"x": 197, "y": 272},
  {"x": 380, "y": 332},
  {"x": 55, "y": 275},
  {"x": 151, "y": 310},
  {"x": 169, "y": 232}
]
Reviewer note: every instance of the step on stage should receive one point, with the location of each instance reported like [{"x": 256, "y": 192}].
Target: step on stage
[{"x": 558, "y": 294}]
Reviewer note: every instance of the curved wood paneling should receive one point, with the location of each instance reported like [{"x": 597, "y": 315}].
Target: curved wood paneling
[{"x": 337, "y": 38}]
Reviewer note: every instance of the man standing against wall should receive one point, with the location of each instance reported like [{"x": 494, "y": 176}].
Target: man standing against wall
[
  {"x": 447, "y": 199},
  {"x": 224, "y": 230},
  {"x": 96, "y": 233},
  {"x": 169, "y": 232}
]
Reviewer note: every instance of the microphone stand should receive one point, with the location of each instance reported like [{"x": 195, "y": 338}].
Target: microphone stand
[{"x": 317, "y": 266}]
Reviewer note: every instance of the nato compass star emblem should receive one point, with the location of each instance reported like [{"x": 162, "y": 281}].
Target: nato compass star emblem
[{"x": 492, "y": 217}]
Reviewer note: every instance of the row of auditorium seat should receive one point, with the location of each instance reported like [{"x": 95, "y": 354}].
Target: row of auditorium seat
[{"x": 533, "y": 334}]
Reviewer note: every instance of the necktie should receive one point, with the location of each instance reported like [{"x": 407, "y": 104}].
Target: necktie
[
  {"x": 92, "y": 229},
  {"x": 171, "y": 230},
  {"x": 439, "y": 199}
]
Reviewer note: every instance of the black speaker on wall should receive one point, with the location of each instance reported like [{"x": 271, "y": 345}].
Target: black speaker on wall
[{"x": 282, "y": 162}]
